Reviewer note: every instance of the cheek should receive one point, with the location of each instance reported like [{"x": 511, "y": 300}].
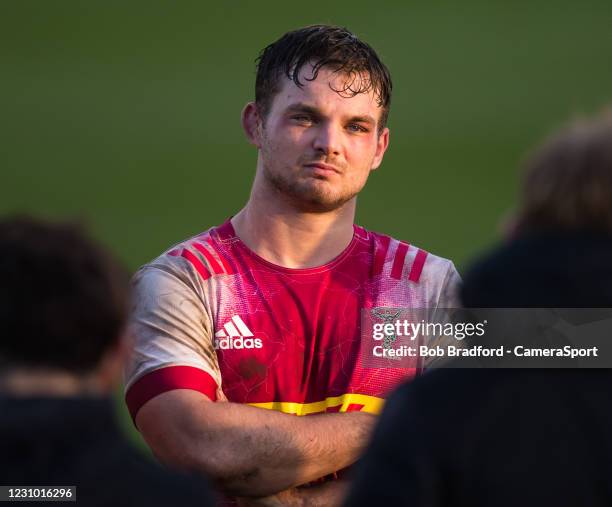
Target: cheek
[
  {"x": 297, "y": 138},
  {"x": 287, "y": 139},
  {"x": 285, "y": 150},
  {"x": 293, "y": 146},
  {"x": 361, "y": 154}
]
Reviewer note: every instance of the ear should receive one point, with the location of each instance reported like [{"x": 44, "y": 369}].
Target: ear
[
  {"x": 111, "y": 366},
  {"x": 508, "y": 225},
  {"x": 381, "y": 147},
  {"x": 252, "y": 124}
]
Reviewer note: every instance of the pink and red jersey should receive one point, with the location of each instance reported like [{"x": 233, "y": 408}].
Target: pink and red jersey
[{"x": 212, "y": 316}]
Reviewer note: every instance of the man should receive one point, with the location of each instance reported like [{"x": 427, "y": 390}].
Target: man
[
  {"x": 264, "y": 311},
  {"x": 507, "y": 437},
  {"x": 63, "y": 306}
]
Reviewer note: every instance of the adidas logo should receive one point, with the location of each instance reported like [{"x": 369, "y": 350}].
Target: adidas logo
[{"x": 236, "y": 335}]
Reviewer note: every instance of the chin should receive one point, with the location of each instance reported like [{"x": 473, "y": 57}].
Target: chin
[
  {"x": 314, "y": 195},
  {"x": 320, "y": 202}
]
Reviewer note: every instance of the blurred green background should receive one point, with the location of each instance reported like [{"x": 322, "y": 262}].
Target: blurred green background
[{"x": 126, "y": 114}]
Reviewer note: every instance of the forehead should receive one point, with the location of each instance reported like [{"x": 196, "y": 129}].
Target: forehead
[{"x": 329, "y": 91}]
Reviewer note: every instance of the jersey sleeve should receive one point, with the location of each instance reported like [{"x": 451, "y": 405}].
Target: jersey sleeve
[
  {"x": 450, "y": 289},
  {"x": 441, "y": 312},
  {"x": 171, "y": 335}
]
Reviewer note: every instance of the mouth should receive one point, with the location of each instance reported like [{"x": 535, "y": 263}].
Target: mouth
[{"x": 322, "y": 168}]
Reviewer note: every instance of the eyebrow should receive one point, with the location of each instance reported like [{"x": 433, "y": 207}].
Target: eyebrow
[{"x": 301, "y": 107}]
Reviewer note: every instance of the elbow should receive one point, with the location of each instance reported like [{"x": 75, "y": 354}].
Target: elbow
[{"x": 235, "y": 473}]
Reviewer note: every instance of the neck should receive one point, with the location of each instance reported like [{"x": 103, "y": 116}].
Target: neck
[
  {"x": 291, "y": 238},
  {"x": 50, "y": 383}
]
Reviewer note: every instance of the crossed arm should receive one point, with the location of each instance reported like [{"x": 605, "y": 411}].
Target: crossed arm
[{"x": 248, "y": 451}]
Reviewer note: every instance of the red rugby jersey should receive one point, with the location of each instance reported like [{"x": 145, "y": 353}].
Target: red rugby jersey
[{"x": 213, "y": 316}]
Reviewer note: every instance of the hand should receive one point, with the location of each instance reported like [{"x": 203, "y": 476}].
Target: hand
[
  {"x": 326, "y": 494},
  {"x": 289, "y": 497}
]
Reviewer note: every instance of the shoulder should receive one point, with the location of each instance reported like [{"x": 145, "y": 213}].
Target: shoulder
[
  {"x": 416, "y": 266},
  {"x": 192, "y": 262}
]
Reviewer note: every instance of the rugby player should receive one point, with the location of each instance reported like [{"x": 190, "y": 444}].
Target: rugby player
[{"x": 242, "y": 327}]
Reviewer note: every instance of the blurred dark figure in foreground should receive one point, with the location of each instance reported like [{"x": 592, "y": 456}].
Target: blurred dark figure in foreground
[
  {"x": 516, "y": 437},
  {"x": 63, "y": 308}
]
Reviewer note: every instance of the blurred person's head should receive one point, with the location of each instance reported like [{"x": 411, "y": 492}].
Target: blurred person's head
[
  {"x": 568, "y": 180},
  {"x": 63, "y": 308},
  {"x": 322, "y": 100},
  {"x": 561, "y": 239}
]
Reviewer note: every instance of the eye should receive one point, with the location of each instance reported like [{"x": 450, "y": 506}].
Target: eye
[
  {"x": 302, "y": 119},
  {"x": 356, "y": 127}
]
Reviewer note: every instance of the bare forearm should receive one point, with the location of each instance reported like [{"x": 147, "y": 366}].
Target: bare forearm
[
  {"x": 251, "y": 451},
  {"x": 274, "y": 451}
]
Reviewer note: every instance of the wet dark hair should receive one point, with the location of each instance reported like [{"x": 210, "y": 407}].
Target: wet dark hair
[
  {"x": 323, "y": 46},
  {"x": 63, "y": 297}
]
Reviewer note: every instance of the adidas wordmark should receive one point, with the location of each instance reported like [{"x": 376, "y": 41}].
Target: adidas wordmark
[{"x": 236, "y": 335}]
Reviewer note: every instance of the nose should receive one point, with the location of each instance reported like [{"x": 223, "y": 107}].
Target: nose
[{"x": 328, "y": 139}]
